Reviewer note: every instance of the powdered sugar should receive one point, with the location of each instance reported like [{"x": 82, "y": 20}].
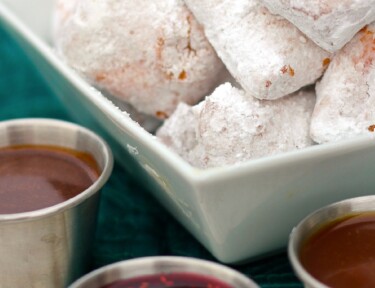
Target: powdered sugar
[
  {"x": 262, "y": 51},
  {"x": 150, "y": 54},
  {"x": 329, "y": 23},
  {"x": 346, "y": 94},
  {"x": 156, "y": 57},
  {"x": 231, "y": 127}
]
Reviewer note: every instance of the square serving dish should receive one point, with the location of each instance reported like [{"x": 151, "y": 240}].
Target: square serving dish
[{"x": 237, "y": 212}]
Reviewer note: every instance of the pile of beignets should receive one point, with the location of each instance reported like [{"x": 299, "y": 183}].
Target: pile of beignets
[{"x": 230, "y": 80}]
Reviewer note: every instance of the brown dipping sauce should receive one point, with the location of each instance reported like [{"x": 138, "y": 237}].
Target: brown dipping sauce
[
  {"x": 34, "y": 177},
  {"x": 342, "y": 253}
]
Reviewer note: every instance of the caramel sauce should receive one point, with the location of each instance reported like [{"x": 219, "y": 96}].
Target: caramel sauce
[
  {"x": 34, "y": 177},
  {"x": 291, "y": 71},
  {"x": 288, "y": 69},
  {"x": 182, "y": 75},
  {"x": 326, "y": 62},
  {"x": 342, "y": 253},
  {"x": 161, "y": 115}
]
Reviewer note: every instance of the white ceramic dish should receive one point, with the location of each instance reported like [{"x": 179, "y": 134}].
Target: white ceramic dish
[{"x": 238, "y": 212}]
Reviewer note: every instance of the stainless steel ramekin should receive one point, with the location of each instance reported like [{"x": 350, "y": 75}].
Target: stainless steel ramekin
[
  {"x": 50, "y": 247},
  {"x": 313, "y": 222},
  {"x": 162, "y": 265}
]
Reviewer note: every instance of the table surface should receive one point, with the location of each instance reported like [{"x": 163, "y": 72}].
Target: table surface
[{"x": 131, "y": 222}]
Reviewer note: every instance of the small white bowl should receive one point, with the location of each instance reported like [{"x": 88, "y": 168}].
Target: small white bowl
[
  {"x": 237, "y": 212},
  {"x": 165, "y": 265}
]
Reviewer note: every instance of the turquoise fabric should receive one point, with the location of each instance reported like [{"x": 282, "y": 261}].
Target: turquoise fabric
[{"x": 131, "y": 223}]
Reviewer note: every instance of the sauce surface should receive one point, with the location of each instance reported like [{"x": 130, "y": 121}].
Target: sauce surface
[
  {"x": 174, "y": 280},
  {"x": 35, "y": 177},
  {"x": 342, "y": 253}
]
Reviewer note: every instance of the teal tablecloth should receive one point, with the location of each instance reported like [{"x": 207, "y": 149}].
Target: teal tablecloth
[{"x": 131, "y": 223}]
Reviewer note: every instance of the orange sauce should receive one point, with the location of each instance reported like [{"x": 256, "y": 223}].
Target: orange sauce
[
  {"x": 34, "y": 177},
  {"x": 342, "y": 253}
]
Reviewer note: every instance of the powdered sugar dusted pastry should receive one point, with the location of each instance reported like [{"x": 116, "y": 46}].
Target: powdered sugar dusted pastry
[
  {"x": 346, "y": 93},
  {"x": 152, "y": 54},
  {"x": 64, "y": 10},
  {"x": 266, "y": 54},
  {"x": 230, "y": 127},
  {"x": 329, "y": 23}
]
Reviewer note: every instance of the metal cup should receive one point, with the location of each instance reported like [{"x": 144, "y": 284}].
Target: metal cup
[
  {"x": 50, "y": 247},
  {"x": 313, "y": 222},
  {"x": 162, "y": 265}
]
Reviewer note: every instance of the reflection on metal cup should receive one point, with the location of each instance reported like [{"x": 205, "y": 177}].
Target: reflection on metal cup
[{"x": 50, "y": 247}]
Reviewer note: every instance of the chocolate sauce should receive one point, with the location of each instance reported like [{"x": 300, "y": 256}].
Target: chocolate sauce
[{"x": 34, "y": 177}]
